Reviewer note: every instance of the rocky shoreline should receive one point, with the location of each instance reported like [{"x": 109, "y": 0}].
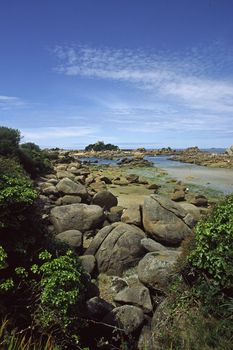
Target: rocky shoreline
[
  {"x": 128, "y": 251},
  {"x": 194, "y": 155}
]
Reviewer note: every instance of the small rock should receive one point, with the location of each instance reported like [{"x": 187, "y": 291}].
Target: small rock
[
  {"x": 132, "y": 178},
  {"x": 200, "y": 201},
  {"x": 115, "y": 214},
  {"x": 178, "y": 196},
  {"x": 132, "y": 215},
  {"x": 70, "y": 199},
  {"x": 127, "y": 317},
  {"x": 105, "y": 199},
  {"x": 152, "y": 246}
]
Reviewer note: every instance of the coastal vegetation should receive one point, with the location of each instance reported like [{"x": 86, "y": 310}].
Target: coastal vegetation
[
  {"x": 69, "y": 279},
  {"x": 101, "y": 146}
]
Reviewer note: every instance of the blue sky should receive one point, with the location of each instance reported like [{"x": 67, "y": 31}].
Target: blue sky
[{"x": 151, "y": 73}]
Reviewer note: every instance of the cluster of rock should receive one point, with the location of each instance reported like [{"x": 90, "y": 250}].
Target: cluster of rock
[
  {"x": 135, "y": 161},
  {"x": 114, "y": 241},
  {"x": 194, "y": 155}
]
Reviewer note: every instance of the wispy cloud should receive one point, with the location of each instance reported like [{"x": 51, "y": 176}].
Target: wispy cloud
[
  {"x": 193, "y": 79},
  {"x": 8, "y": 102},
  {"x": 57, "y": 132}
]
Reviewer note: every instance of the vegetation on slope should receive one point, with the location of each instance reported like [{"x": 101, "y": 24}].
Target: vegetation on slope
[
  {"x": 40, "y": 280},
  {"x": 198, "y": 313}
]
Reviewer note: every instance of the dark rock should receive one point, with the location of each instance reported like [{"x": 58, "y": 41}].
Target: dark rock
[
  {"x": 178, "y": 196},
  {"x": 98, "y": 308},
  {"x": 200, "y": 201},
  {"x": 105, "y": 199},
  {"x": 106, "y": 180},
  {"x": 153, "y": 187}
]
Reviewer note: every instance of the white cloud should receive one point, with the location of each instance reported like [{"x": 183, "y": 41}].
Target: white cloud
[
  {"x": 57, "y": 132},
  {"x": 8, "y": 102},
  {"x": 192, "y": 79}
]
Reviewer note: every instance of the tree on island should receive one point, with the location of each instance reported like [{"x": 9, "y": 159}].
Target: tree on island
[{"x": 101, "y": 146}]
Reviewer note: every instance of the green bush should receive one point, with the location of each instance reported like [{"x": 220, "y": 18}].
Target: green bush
[
  {"x": 34, "y": 160},
  {"x": 16, "y": 193},
  {"x": 212, "y": 256},
  {"x": 60, "y": 287},
  {"x": 9, "y": 141}
]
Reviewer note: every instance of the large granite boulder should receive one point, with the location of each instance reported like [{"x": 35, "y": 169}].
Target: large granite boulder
[
  {"x": 117, "y": 247},
  {"x": 154, "y": 270},
  {"x": 73, "y": 238},
  {"x": 80, "y": 217},
  {"x": 69, "y": 187},
  {"x": 105, "y": 199},
  {"x": 164, "y": 220},
  {"x": 138, "y": 295}
]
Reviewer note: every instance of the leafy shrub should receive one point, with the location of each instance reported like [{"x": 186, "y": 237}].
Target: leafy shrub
[
  {"x": 60, "y": 288},
  {"x": 9, "y": 141},
  {"x": 16, "y": 192},
  {"x": 10, "y": 166},
  {"x": 213, "y": 252},
  {"x": 34, "y": 160}
]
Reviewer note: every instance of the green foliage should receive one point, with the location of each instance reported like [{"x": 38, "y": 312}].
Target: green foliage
[
  {"x": 34, "y": 160},
  {"x": 213, "y": 253},
  {"x": 9, "y": 141},
  {"x": 10, "y": 166},
  {"x": 60, "y": 287},
  {"x": 101, "y": 146},
  {"x": 16, "y": 193},
  {"x": 15, "y": 190}
]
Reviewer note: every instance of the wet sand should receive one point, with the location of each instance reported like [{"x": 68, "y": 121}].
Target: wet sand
[{"x": 217, "y": 179}]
